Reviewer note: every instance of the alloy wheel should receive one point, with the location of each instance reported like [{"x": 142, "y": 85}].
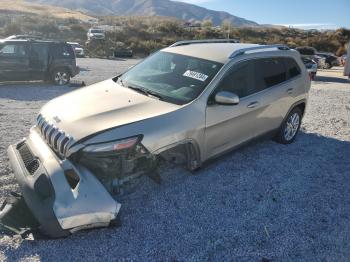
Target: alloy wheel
[
  {"x": 61, "y": 78},
  {"x": 291, "y": 127}
]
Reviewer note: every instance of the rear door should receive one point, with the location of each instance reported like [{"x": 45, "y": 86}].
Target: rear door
[
  {"x": 38, "y": 60},
  {"x": 14, "y": 62},
  {"x": 275, "y": 77}
]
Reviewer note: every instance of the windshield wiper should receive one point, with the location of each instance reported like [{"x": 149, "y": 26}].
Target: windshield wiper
[
  {"x": 146, "y": 92},
  {"x": 120, "y": 81}
]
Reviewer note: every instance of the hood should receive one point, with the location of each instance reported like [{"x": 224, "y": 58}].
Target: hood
[{"x": 100, "y": 107}]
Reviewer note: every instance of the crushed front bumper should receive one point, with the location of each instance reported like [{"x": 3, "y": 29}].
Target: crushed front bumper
[{"x": 63, "y": 197}]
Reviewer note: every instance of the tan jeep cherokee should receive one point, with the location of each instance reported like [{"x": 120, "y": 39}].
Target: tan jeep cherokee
[{"x": 186, "y": 103}]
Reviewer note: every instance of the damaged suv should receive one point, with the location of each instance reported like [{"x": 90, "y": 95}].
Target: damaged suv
[{"x": 186, "y": 103}]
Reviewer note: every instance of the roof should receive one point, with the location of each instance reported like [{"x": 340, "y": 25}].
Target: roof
[
  {"x": 218, "y": 52},
  {"x": 28, "y": 41}
]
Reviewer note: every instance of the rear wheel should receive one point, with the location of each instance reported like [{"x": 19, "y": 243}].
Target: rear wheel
[
  {"x": 60, "y": 77},
  {"x": 290, "y": 127}
]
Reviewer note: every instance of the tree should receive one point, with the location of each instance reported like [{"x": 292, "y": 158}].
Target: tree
[
  {"x": 12, "y": 29},
  {"x": 226, "y": 26},
  {"x": 207, "y": 23}
]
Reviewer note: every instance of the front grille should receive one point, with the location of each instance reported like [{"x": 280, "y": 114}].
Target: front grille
[
  {"x": 57, "y": 139},
  {"x": 30, "y": 161}
]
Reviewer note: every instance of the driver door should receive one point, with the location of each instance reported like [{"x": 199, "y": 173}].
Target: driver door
[{"x": 228, "y": 126}]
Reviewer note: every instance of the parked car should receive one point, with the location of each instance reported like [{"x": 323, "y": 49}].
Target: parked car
[
  {"x": 343, "y": 60},
  {"x": 330, "y": 60},
  {"x": 311, "y": 67},
  {"x": 123, "y": 52},
  {"x": 78, "y": 49},
  {"x": 37, "y": 60},
  {"x": 311, "y": 53},
  {"x": 187, "y": 103},
  {"x": 22, "y": 60},
  {"x": 96, "y": 34}
]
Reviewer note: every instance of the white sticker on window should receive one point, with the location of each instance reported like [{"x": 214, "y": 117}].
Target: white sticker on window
[{"x": 195, "y": 75}]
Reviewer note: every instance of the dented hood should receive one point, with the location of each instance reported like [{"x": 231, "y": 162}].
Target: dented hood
[{"x": 101, "y": 106}]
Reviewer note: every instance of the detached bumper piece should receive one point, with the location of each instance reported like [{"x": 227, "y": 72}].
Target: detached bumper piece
[
  {"x": 16, "y": 217},
  {"x": 58, "y": 198}
]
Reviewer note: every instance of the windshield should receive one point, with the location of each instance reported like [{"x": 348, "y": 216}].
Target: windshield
[
  {"x": 76, "y": 45},
  {"x": 96, "y": 31},
  {"x": 172, "y": 77}
]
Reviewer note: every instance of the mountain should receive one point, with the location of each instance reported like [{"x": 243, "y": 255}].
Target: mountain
[
  {"x": 176, "y": 9},
  {"x": 20, "y": 7}
]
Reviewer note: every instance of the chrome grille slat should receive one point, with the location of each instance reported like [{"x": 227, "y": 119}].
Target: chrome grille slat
[
  {"x": 48, "y": 132},
  {"x": 62, "y": 145},
  {"x": 43, "y": 127},
  {"x": 40, "y": 122},
  {"x": 53, "y": 136},
  {"x": 67, "y": 145},
  {"x": 58, "y": 140}
]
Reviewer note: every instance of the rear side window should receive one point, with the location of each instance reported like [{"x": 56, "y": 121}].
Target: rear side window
[
  {"x": 40, "y": 50},
  {"x": 270, "y": 72},
  {"x": 39, "y": 55},
  {"x": 252, "y": 76},
  {"x": 292, "y": 67},
  {"x": 62, "y": 51}
]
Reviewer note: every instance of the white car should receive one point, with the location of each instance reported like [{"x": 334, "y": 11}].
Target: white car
[
  {"x": 96, "y": 34},
  {"x": 78, "y": 49}
]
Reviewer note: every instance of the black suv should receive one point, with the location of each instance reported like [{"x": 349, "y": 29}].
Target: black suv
[
  {"x": 331, "y": 60},
  {"x": 22, "y": 60}
]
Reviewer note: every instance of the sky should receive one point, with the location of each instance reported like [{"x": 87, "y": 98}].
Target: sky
[{"x": 306, "y": 14}]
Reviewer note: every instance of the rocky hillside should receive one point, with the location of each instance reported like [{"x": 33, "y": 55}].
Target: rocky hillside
[{"x": 176, "y": 9}]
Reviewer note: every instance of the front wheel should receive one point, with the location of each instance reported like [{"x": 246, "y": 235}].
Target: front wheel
[
  {"x": 60, "y": 77},
  {"x": 327, "y": 66},
  {"x": 290, "y": 127}
]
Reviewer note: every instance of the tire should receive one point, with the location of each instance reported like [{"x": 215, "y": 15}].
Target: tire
[
  {"x": 327, "y": 66},
  {"x": 60, "y": 77},
  {"x": 290, "y": 127}
]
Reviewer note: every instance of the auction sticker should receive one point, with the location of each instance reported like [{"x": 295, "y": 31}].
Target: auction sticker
[{"x": 195, "y": 75}]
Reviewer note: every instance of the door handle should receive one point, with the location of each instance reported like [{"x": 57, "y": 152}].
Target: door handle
[
  {"x": 253, "y": 104},
  {"x": 290, "y": 91}
]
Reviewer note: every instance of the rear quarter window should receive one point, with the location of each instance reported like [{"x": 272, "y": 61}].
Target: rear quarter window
[
  {"x": 62, "y": 51},
  {"x": 292, "y": 67}
]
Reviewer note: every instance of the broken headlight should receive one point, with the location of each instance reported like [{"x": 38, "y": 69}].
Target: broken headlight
[
  {"x": 114, "y": 146},
  {"x": 115, "y": 161}
]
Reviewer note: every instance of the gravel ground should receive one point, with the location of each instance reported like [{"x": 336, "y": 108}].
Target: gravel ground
[{"x": 282, "y": 203}]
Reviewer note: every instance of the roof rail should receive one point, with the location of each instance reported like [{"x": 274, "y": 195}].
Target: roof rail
[
  {"x": 24, "y": 37},
  {"x": 205, "y": 41},
  {"x": 259, "y": 47}
]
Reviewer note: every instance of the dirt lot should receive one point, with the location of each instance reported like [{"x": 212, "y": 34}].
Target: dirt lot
[{"x": 282, "y": 203}]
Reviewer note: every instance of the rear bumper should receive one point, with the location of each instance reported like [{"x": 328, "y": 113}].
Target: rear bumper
[{"x": 60, "y": 207}]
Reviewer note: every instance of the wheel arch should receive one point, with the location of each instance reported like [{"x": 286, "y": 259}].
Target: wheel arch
[
  {"x": 66, "y": 68},
  {"x": 301, "y": 104},
  {"x": 188, "y": 148}
]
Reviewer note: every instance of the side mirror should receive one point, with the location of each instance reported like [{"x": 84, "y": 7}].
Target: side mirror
[{"x": 226, "y": 98}]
